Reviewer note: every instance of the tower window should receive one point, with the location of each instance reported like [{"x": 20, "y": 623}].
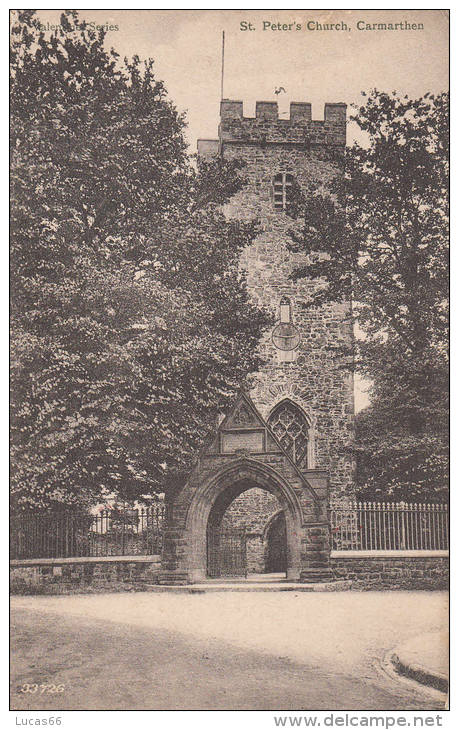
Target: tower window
[
  {"x": 282, "y": 189},
  {"x": 285, "y": 336},
  {"x": 285, "y": 310}
]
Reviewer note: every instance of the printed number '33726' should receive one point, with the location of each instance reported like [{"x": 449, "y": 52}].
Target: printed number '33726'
[{"x": 42, "y": 688}]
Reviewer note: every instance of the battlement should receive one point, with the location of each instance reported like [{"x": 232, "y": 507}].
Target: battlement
[
  {"x": 266, "y": 127},
  {"x": 299, "y": 111}
]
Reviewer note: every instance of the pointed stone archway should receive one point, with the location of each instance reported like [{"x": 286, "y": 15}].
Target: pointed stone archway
[
  {"x": 213, "y": 498},
  {"x": 243, "y": 454}
]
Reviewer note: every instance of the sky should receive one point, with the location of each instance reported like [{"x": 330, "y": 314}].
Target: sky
[
  {"x": 312, "y": 66},
  {"x": 315, "y": 66}
]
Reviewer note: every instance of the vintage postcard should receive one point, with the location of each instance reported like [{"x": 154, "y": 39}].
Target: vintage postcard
[{"x": 229, "y": 364}]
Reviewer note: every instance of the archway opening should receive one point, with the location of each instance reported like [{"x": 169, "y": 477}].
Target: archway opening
[
  {"x": 212, "y": 498},
  {"x": 246, "y": 533},
  {"x": 275, "y": 544}
]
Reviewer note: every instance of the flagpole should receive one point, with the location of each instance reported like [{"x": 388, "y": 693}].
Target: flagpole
[{"x": 223, "y": 61}]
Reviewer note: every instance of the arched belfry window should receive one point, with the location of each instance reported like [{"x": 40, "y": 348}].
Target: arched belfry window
[
  {"x": 291, "y": 428},
  {"x": 282, "y": 190},
  {"x": 285, "y": 311}
]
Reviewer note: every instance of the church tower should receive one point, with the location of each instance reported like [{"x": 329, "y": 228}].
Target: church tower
[
  {"x": 305, "y": 391},
  {"x": 257, "y": 497}
]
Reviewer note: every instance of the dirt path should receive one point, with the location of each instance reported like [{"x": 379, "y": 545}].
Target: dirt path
[{"x": 118, "y": 664}]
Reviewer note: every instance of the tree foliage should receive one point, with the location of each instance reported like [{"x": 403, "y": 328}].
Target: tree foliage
[
  {"x": 402, "y": 437},
  {"x": 131, "y": 323},
  {"x": 380, "y": 237}
]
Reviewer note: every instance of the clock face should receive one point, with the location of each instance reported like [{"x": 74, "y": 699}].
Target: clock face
[{"x": 286, "y": 336}]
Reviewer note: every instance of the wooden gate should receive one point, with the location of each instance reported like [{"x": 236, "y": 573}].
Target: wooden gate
[{"x": 226, "y": 552}]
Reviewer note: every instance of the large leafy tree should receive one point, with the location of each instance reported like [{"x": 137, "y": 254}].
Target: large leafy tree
[
  {"x": 131, "y": 323},
  {"x": 380, "y": 237}
]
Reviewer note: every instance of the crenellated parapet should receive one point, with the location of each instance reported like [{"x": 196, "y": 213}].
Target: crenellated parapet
[{"x": 267, "y": 128}]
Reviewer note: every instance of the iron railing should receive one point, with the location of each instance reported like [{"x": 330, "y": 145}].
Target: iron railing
[
  {"x": 67, "y": 535},
  {"x": 354, "y": 526},
  {"x": 389, "y": 526}
]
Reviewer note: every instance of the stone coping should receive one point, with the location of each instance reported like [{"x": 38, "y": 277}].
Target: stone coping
[
  {"x": 346, "y": 554},
  {"x": 69, "y": 561},
  {"x": 389, "y": 554}
]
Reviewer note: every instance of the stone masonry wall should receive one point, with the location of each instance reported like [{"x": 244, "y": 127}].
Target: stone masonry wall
[
  {"x": 252, "y": 510},
  {"x": 310, "y": 151},
  {"x": 81, "y": 575},
  {"x": 392, "y": 572},
  {"x": 358, "y": 573}
]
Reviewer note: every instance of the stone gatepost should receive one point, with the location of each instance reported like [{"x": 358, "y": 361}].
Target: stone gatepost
[{"x": 316, "y": 545}]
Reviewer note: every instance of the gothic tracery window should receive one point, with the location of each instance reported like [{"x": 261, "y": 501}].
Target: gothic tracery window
[{"x": 292, "y": 431}]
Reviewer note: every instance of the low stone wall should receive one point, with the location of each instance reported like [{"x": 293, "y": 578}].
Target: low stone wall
[
  {"x": 361, "y": 570},
  {"x": 83, "y": 575},
  {"x": 392, "y": 569}
]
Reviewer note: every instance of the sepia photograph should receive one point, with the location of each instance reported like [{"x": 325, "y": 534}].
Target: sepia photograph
[{"x": 229, "y": 363}]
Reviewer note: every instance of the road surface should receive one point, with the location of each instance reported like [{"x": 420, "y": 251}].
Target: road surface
[{"x": 219, "y": 651}]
